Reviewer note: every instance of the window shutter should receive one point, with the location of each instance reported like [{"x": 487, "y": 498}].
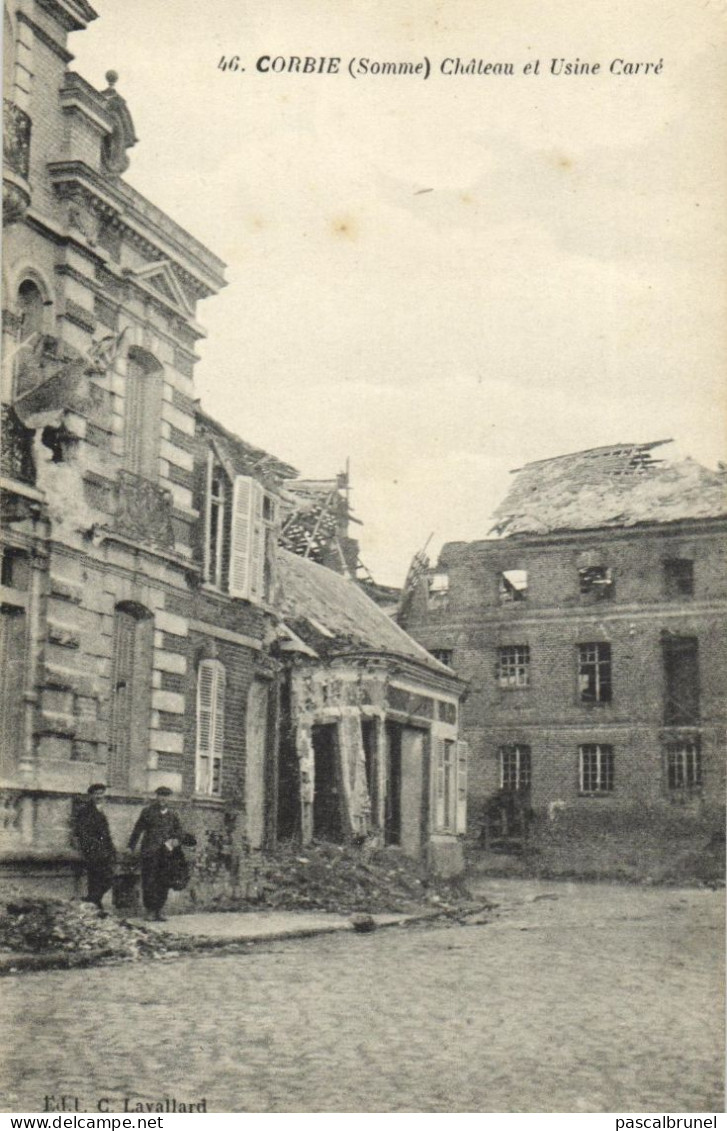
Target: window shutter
[
  {"x": 240, "y": 542},
  {"x": 218, "y": 735},
  {"x": 257, "y": 543},
  {"x": 462, "y": 751},
  {"x": 205, "y": 701},
  {"x": 439, "y": 814}
]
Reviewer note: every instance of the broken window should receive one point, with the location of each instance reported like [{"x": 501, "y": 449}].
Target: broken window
[
  {"x": 594, "y": 673},
  {"x": 596, "y": 581},
  {"x": 678, "y": 577},
  {"x": 439, "y": 591},
  {"x": 595, "y": 768},
  {"x": 681, "y": 679},
  {"x": 514, "y": 768},
  {"x": 444, "y": 655},
  {"x": 513, "y": 665},
  {"x": 211, "y": 683},
  {"x": 513, "y": 585},
  {"x": 683, "y": 765}
]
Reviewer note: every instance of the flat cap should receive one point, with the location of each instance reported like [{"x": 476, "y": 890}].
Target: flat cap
[
  {"x": 163, "y": 791},
  {"x": 96, "y": 787}
]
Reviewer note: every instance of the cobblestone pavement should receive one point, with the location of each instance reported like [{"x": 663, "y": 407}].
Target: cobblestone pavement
[{"x": 575, "y": 998}]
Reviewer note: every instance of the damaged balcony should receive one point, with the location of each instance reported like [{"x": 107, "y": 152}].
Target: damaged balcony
[
  {"x": 16, "y": 162},
  {"x": 143, "y": 511},
  {"x": 16, "y": 454}
]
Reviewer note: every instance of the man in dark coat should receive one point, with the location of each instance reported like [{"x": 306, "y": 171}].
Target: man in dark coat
[
  {"x": 93, "y": 836},
  {"x": 161, "y": 831}
]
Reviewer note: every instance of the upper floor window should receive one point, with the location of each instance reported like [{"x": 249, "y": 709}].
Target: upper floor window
[
  {"x": 678, "y": 577},
  {"x": 596, "y": 582},
  {"x": 215, "y": 522},
  {"x": 681, "y": 681},
  {"x": 594, "y": 673},
  {"x": 253, "y": 540},
  {"x": 142, "y": 412},
  {"x": 596, "y": 766},
  {"x": 438, "y": 591},
  {"x": 211, "y": 685},
  {"x": 514, "y": 768},
  {"x": 444, "y": 655},
  {"x": 513, "y": 665},
  {"x": 513, "y": 585}
]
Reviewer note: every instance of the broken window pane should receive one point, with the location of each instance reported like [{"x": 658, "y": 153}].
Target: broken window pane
[
  {"x": 513, "y": 665},
  {"x": 594, "y": 673},
  {"x": 596, "y": 581},
  {"x": 513, "y": 585},
  {"x": 678, "y": 577},
  {"x": 439, "y": 591},
  {"x": 596, "y": 768}
]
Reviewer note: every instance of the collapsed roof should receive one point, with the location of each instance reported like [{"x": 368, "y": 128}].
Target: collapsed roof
[
  {"x": 333, "y": 616},
  {"x": 619, "y": 485}
]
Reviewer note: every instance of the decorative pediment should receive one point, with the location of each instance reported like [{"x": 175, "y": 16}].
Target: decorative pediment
[{"x": 161, "y": 277}]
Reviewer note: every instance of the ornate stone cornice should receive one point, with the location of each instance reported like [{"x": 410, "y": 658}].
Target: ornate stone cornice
[
  {"x": 72, "y": 15},
  {"x": 141, "y": 224},
  {"x": 48, "y": 40}
]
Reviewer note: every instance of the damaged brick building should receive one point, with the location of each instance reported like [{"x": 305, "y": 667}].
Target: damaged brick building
[
  {"x": 591, "y": 630},
  {"x": 142, "y": 635}
]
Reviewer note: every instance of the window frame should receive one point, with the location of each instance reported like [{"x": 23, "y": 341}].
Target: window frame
[
  {"x": 521, "y": 780},
  {"x": 208, "y": 778},
  {"x": 512, "y": 671},
  {"x": 692, "y": 774},
  {"x": 600, "y": 667},
  {"x": 605, "y": 769},
  {"x": 672, "y": 581}
]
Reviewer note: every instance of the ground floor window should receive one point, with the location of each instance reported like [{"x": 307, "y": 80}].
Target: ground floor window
[
  {"x": 683, "y": 765},
  {"x": 514, "y": 768},
  {"x": 596, "y": 768}
]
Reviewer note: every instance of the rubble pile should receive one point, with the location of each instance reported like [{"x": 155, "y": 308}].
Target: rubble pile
[
  {"x": 331, "y": 877},
  {"x": 58, "y": 925}
]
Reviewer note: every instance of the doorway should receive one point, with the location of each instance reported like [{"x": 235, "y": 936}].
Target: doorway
[{"x": 327, "y": 820}]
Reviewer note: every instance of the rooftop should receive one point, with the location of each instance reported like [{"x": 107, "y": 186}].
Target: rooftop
[
  {"x": 619, "y": 485},
  {"x": 334, "y": 616}
]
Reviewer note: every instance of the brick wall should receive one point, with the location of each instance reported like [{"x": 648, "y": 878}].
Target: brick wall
[{"x": 548, "y": 715}]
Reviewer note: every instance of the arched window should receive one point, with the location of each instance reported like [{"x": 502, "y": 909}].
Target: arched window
[
  {"x": 30, "y": 309},
  {"x": 143, "y": 406},
  {"x": 211, "y": 683}
]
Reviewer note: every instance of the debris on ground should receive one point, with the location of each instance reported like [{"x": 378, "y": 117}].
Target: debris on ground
[
  {"x": 344, "y": 879},
  {"x": 46, "y": 926}
]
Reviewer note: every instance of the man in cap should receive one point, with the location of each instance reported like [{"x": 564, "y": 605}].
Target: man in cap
[
  {"x": 93, "y": 835},
  {"x": 160, "y": 831}
]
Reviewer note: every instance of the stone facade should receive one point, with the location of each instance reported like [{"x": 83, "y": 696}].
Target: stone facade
[{"x": 141, "y": 626}]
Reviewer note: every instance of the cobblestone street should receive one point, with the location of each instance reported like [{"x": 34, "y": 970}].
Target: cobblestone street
[{"x": 574, "y": 998}]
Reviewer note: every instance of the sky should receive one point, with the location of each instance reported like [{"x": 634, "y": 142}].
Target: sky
[{"x": 441, "y": 279}]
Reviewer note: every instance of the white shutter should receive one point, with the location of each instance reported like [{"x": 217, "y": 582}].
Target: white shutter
[
  {"x": 205, "y": 708},
  {"x": 257, "y": 543},
  {"x": 218, "y": 734},
  {"x": 462, "y": 752},
  {"x": 240, "y": 541},
  {"x": 439, "y": 814}
]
